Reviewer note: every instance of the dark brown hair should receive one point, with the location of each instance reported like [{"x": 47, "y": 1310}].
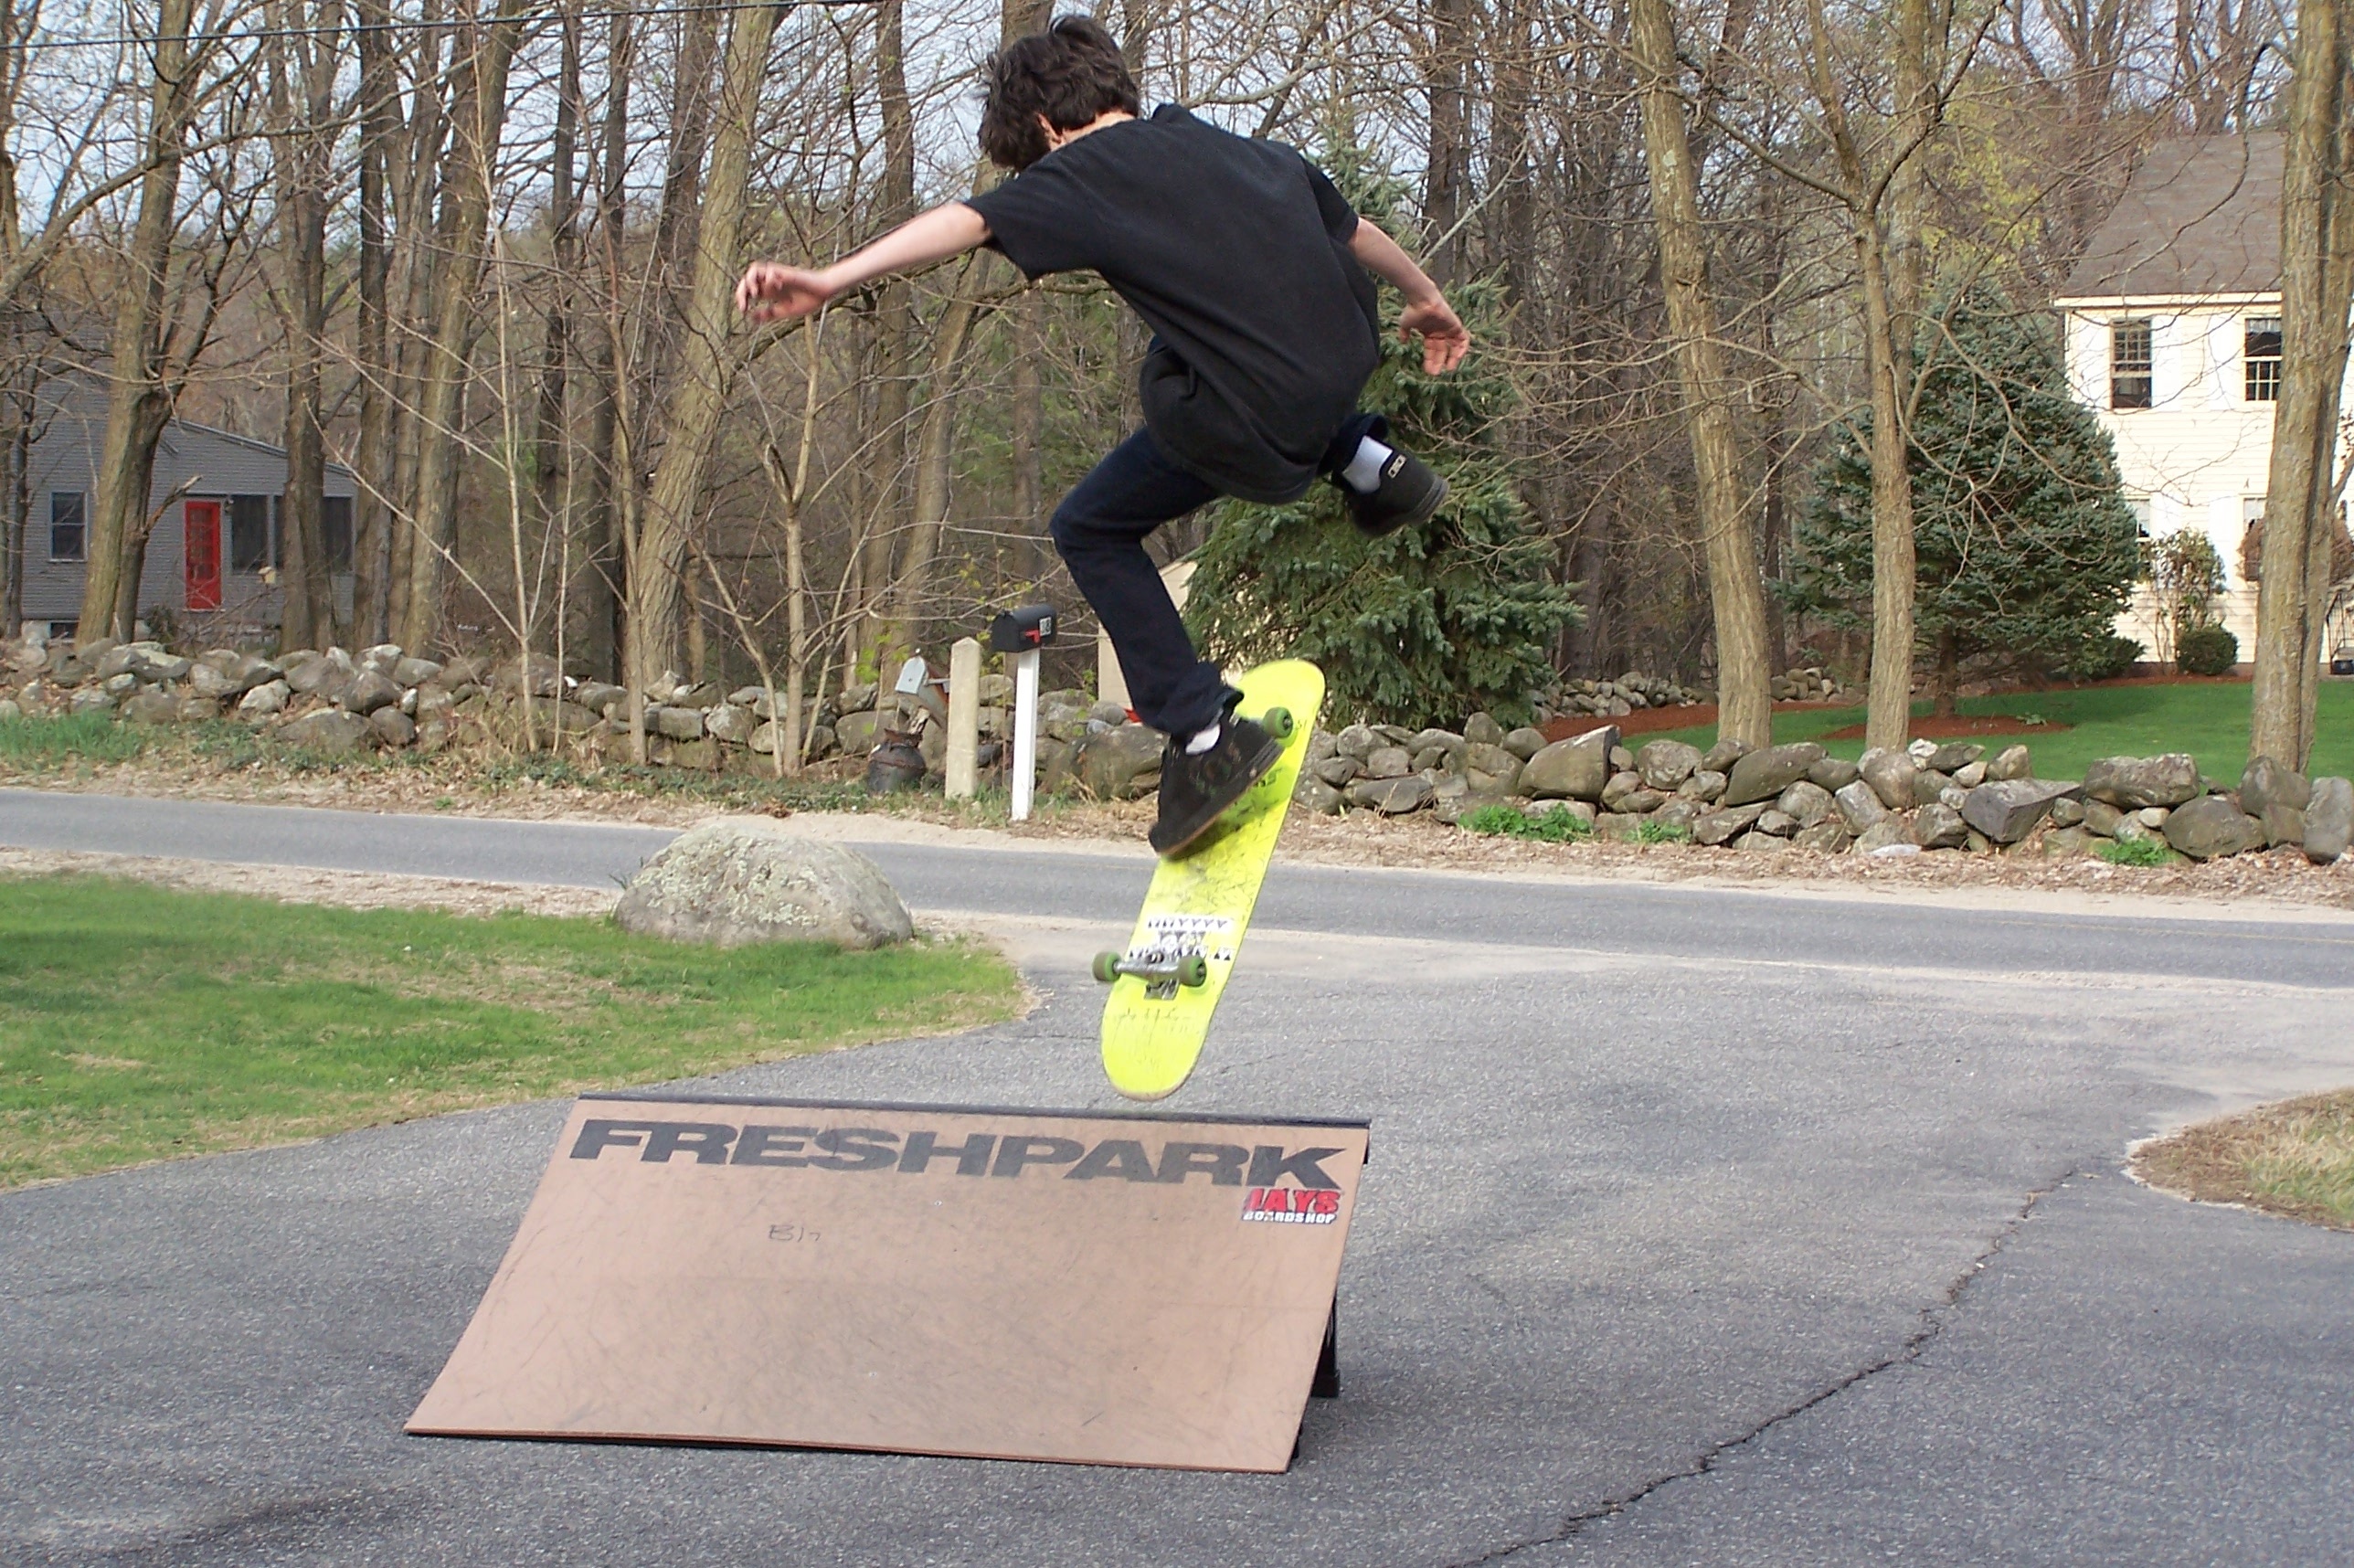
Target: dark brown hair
[{"x": 1071, "y": 73}]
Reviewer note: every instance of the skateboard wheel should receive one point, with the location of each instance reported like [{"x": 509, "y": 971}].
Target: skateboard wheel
[
  {"x": 1193, "y": 971},
  {"x": 1277, "y": 722},
  {"x": 1106, "y": 967}
]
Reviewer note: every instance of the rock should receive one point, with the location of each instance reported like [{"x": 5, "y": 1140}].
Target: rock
[
  {"x": 1391, "y": 797},
  {"x": 1337, "y": 770},
  {"x": 1824, "y": 838},
  {"x": 2011, "y": 762},
  {"x": 1666, "y": 764},
  {"x": 1832, "y": 773},
  {"x": 1525, "y": 742},
  {"x": 1481, "y": 729},
  {"x": 1719, "y": 758},
  {"x": 208, "y": 681},
  {"x": 1970, "y": 775},
  {"x": 1356, "y": 742},
  {"x": 1948, "y": 757},
  {"x": 1762, "y": 775},
  {"x": 1491, "y": 769},
  {"x": 415, "y": 673},
  {"x": 1978, "y": 843},
  {"x": 1619, "y": 786},
  {"x": 1321, "y": 748},
  {"x": 731, "y": 723},
  {"x": 382, "y": 658},
  {"x": 464, "y": 670},
  {"x": 1680, "y": 812},
  {"x": 269, "y": 697},
  {"x": 2008, "y": 810},
  {"x": 1573, "y": 769},
  {"x": 2129, "y": 782},
  {"x": 2211, "y": 827},
  {"x": 550, "y": 716},
  {"x": 1118, "y": 764},
  {"x": 1939, "y": 826},
  {"x": 2283, "y": 825},
  {"x": 856, "y": 732},
  {"x": 324, "y": 672},
  {"x": 1388, "y": 762},
  {"x": 2329, "y": 819},
  {"x": 996, "y": 691},
  {"x": 151, "y": 707},
  {"x": 1703, "y": 785},
  {"x": 1317, "y": 796},
  {"x": 694, "y": 756},
  {"x": 674, "y": 723},
  {"x": 1891, "y": 832},
  {"x": 1805, "y": 802},
  {"x": 1621, "y": 760},
  {"x": 2062, "y": 842},
  {"x": 1443, "y": 740},
  {"x": 2100, "y": 818},
  {"x": 1779, "y": 824},
  {"x": 90, "y": 699},
  {"x": 367, "y": 690},
  {"x": 2131, "y": 830},
  {"x": 151, "y": 661},
  {"x": 1889, "y": 774},
  {"x": 1720, "y": 826},
  {"x": 9, "y": 712},
  {"x": 740, "y": 880},
  {"x": 1951, "y": 795},
  {"x": 119, "y": 688},
  {"x": 392, "y": 726},
  {"x": 1758, "y": 839},
  {"x": 2066, "y": 812},
  {"x": 855, "y": 699},
  {"x": 1617, "y": 827},
  {"x": 1606, "y": 737},
  {"x": 330, "y": 731},
  {"x": 2266, "y": 784},
  {"x": 1859, "y": 806}
]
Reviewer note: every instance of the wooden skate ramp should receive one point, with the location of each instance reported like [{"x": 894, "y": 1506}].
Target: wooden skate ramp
[{"x": 1121, "y": 1289}]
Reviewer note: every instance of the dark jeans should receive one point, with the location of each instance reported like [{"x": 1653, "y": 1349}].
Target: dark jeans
[{"x": 1101, "y": 529}]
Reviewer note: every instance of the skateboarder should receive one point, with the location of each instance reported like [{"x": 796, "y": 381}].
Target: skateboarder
[{"x": 1251, "y": 270}]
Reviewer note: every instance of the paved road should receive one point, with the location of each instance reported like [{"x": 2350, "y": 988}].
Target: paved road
[{"x": 1701, "y": 1227}]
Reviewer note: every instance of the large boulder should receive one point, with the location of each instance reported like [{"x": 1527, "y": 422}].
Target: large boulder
[
  {"x": 1833, "y": 773},
  {"x": 1805, "y": 802},
  {"x": 739, "y": 880},
  {"x": 1859, "y": 806},
  {"x": 151, "y": 707},
  {"x": 1889, "y": 774},
  {"x": 1939, "y": 826},
  {"x": 1720, "y": 827},
  {"x": 2266, "y": 784},
  {"x": 1573, "y": 769},
  {"x": 1762, "y": 775},
  {"x": 1118, "y": 764},
  {"x": 331, "y": 731},
  {"x": 2211, "y": 827},
  {"x": 368, "y": 691},
  {"x": 2130, "y": 783},
  {"x": 1666, "y": 764},
  {"x": 2329, "y": 819},
  {"x": 2011, "y": 762},
  {"x": 1391, "y": 797},
  {"x": 2007, "y": 810}
]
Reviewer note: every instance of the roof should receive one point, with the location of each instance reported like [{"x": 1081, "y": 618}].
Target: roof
[
  {"x": 251, "y": 443},
  {"x": 2199, "y": 217}
]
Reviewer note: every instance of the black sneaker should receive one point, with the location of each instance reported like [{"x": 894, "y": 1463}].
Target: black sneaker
[
  {"x": 1409, "y": 492},
  {"x": 1196, "y": 791}
]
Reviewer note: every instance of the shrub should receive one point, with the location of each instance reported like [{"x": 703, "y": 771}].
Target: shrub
[
  {"x": 2105, "y": 659},
  {"x": 1661, "y": 833},
  {"x": 1559, "y": 826},
  {"x": 2133, "y": 851},
  {"x": 2206, "y": 651}
]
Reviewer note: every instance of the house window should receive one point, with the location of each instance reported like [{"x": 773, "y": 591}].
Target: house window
[
  {"x": 335, "y": 522},
  {"x": 2262, "y": 356},
  {"x": 2129, "y": 363},
  {"x": 63, "y": 630},
  {"x": 69, "y": 532},
  {"x": 249, "y": 534}
]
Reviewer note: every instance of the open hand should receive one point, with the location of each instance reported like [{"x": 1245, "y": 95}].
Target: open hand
[
  {"x": 1445, "y": 340},
  {"x": 772, "y": 292}
]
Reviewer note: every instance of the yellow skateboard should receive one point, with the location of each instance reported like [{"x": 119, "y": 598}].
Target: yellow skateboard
[{"x": 1166, "y": 985}]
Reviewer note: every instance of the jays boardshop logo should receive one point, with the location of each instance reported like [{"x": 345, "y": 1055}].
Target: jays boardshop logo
[{"x": 1311, "y": 1197}]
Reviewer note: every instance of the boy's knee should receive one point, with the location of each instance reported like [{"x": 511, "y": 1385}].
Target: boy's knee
[{"x": 1067, "y": 528}]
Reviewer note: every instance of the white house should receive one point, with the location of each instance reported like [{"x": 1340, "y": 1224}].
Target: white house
[
  {"x": 213, "y": 559},
  {"x": 2174, "y": 337}
]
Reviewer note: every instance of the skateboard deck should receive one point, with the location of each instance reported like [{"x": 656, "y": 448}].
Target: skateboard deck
[{"x": 1167, "y": 984}]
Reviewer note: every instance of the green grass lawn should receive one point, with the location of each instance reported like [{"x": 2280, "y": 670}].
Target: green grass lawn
[
  {"x": 2210, "y": 722},
  {"x": 138, "y": 1023}
]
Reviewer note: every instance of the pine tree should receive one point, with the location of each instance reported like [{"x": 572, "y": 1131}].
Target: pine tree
[
  {"x": 2025, "y": 548},
  {"x": 1430, "y": 623}
]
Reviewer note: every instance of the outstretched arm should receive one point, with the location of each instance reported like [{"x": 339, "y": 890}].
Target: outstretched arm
[
  {"x": 773, "y": 291},
  {"x": 1444, "y": 339}
]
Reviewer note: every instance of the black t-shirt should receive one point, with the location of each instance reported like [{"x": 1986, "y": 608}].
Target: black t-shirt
[{"x": 1235, "y": 251}]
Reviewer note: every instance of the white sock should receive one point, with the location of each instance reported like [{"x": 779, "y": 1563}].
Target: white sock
[
  {"x": 1202, "y": 741},
  {"x": 1364, "y": 473}
]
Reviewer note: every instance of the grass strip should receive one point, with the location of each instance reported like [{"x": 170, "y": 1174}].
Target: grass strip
[
  {"x": 140, "y": 1023},
  {"x": 2294, "y": 1157}
]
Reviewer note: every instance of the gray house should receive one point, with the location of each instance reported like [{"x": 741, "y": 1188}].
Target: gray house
[{"x": 213, "y": 559}]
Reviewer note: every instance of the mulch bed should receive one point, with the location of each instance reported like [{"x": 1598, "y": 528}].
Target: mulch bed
[{"x": 1961, "y": 728}]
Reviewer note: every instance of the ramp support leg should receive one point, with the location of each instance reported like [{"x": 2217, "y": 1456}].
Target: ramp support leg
[{"x": 1326, "y": 1385}]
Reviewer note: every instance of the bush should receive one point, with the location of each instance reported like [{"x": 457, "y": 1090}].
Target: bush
[
  {"x": 1558, "y": 826},
  {"x": 1662, "y": 833},
  {"x": 2133, "y": 851},
  {"x": 2206, "y": 651},
  {"x": 2106, "y": 659}
]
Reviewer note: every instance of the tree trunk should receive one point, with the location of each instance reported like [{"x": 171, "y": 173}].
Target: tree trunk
[
  {"x": 601, "y": 576},
  {"x": 2317, "y": 290},
  {"x": 1888, "y": 710},
  {"x": 935, "y": 448},
  {"x": 372, "y": 520},
  {"x": 895, "y": 335},
  {"x": 551, "y": 498},
  {"x": 138, "y": 405},
  {"x": 1447, "y": 185},
  {"x": 301, "y": 90},
  {"x": 1745, "y": 707},
  {"x": 708, "y": 362},
  {"x": 476, "y": 118}
]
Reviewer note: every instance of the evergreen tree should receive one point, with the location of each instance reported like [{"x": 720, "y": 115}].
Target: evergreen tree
[
  {"x": 1430, "y": 623},
  {"x": 2024, "y": 547}
]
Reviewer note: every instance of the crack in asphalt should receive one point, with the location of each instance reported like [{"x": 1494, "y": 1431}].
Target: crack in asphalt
[{"x": 1933, "y": 1320}]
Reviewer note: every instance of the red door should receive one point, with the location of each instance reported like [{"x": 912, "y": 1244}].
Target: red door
[{"x": 200, "y": 562}]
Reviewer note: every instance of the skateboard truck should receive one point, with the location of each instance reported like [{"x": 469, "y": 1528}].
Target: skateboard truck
[{"x": 1162, "y": 973}]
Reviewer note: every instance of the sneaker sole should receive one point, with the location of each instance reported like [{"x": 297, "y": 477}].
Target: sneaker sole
[
  {"x": 1261, "y": 765},
  {"x": 1416, "y": 518}
]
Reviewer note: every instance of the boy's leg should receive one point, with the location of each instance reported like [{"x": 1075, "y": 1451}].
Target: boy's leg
[{"x": 1099, "y": 530}]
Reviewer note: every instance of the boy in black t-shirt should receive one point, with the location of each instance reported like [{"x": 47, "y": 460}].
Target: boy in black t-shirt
[{"x": 1250, "y": 269}]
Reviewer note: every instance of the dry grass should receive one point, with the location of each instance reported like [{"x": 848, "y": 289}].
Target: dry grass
[{"x": 2295, "y": 1157}]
